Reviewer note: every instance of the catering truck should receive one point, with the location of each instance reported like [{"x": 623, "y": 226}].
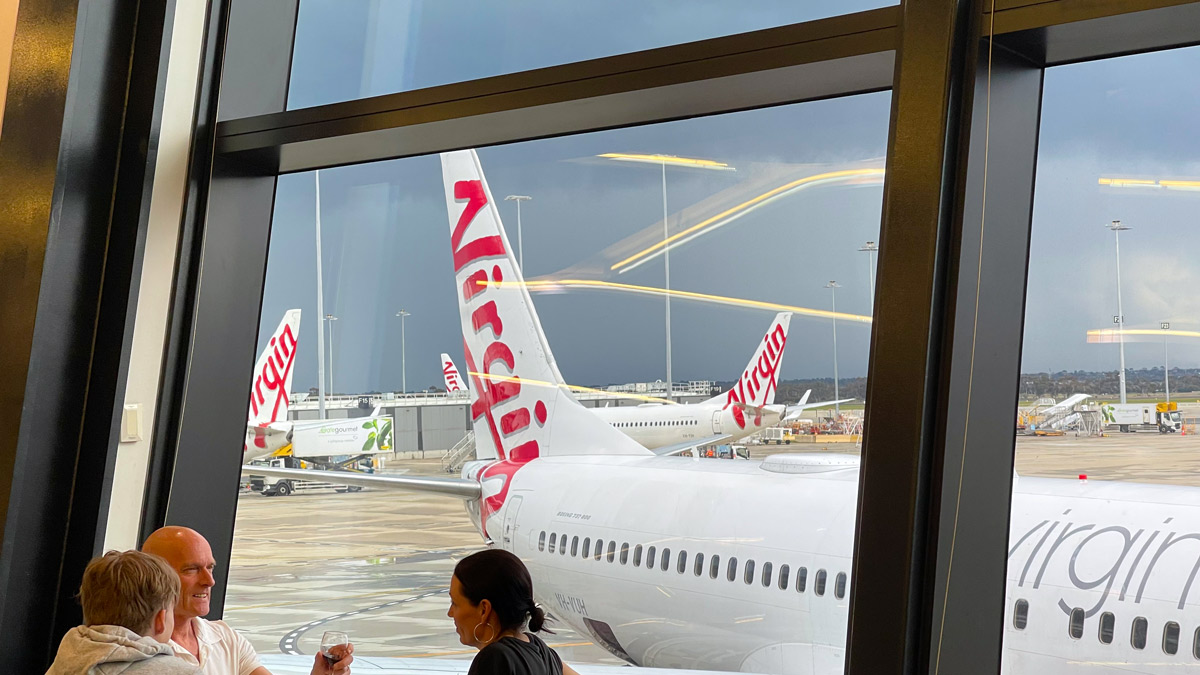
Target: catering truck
[{"x": 1163, "y": 417}]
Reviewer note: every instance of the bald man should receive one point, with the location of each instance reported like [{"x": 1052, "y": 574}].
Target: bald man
[{"x": 212, "y": 645}]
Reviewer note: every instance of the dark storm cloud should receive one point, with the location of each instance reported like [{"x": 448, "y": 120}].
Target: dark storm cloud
[{"x": 385, "y": 225}]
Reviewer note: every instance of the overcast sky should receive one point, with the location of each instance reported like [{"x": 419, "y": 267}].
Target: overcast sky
[{"x": 385, "y": 230}]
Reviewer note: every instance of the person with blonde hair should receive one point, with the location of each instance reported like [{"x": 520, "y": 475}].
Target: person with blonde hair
[{"x": 128, "y": 602}]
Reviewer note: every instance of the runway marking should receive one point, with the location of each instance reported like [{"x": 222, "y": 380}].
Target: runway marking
[{"x": 288, "y": 645}]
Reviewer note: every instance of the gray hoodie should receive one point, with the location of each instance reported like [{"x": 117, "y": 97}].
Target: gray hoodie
[{"x": 108, "y": 650}]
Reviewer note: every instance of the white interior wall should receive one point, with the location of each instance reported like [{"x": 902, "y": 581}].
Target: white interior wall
[{"x": 158, "y": 270}]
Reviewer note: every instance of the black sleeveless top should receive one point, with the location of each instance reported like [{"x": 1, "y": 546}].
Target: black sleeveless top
[{"x": 510, "y": 656}]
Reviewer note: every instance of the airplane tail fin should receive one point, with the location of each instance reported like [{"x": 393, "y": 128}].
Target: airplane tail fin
[
  {"x": 756, "y": 386},
  {"x": 519, "y": 401},
  {"x": 271, "y": 391},
  {"x": 454, "y": 381}
]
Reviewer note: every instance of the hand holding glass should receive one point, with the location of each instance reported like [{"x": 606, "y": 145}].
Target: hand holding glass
[{"x": 334, "y": 646}]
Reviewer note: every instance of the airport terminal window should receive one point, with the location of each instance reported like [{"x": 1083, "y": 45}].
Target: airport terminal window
[
  {"x": 784, "y": 572},
  {"x": 1021, "y": 616},
  {"x": 1075, "y": 627},
  {"x": 1138, "y": 633},
  {"x": 801, "y": 579},
  {"x": 1171, "y": 638},
  {"x": 748, "y": 575},
  {"x": 839, "y": 586},
  {"x": 819, "y": 587},
  {"x": 1107, "y": 624},
  {"x": 795, "y": 191},
  {"x": 637, "y": 555},
  {"x": 346, "y": 51},
  {"x": 1110, "y": 359},
  {"x": 766, "y": 575}
]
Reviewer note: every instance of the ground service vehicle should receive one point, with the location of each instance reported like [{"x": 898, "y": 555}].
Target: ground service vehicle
[{"x": 1164, "y": 417}]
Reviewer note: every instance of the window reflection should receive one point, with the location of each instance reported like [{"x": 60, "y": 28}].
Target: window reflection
[
  {"x": 354, "y": 50},
  {"x": 1109, "y": 369},
  {"x": 751, "y": 200}
]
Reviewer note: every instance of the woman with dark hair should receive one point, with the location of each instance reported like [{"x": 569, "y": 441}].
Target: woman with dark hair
[{"x": 491, "y": 603}]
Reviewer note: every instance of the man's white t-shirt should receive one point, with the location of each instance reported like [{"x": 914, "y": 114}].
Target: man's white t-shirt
[{"x": 222, "y": 650}]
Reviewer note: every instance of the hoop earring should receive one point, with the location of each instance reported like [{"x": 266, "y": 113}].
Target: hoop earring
[{"x": 491, "y": 635}]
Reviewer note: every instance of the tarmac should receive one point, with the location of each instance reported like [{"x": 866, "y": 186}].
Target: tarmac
[{"x": 377, "y": 564}]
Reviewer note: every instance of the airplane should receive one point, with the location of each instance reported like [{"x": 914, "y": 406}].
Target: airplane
[
  {"x": 267, "y": 427},
  {"x": 454, "y": 381},
  {"x": 745, "y": 566},
  {"x": 268, "y": 430},
  {"x": 746, "y": 408}
]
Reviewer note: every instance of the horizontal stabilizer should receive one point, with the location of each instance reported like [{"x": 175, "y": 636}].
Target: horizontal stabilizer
[
  {"x": 794, "y": 411},
  {"x": 449, "y": 487}
]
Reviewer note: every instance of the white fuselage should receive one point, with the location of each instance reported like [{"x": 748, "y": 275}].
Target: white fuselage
[
  {"x": 690, "y": 614},
  {"x": 655, "y": 426}
]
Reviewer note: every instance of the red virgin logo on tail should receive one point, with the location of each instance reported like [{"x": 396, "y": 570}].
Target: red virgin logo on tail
[
  {"x": 479, "y": 285},
  {"x": 760, "y": 378},
  {"x": 273, "y": 376},
  {"x": 453, "y": 383}
]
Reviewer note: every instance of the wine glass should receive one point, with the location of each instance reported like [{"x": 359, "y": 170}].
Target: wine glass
[{"x": 333, "y": 646}]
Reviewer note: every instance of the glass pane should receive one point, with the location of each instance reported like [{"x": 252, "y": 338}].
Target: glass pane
[
  {"x": 763, "y": 209},
  {"x": 1021, "y": 615},
  {"x": 1076, "y": 624},
  {"x": 1138, "y": 638},
  {"x": 1171, "y": 638},
  {"x": 1107, "y": 624},
  {"x": 1111, "y": 360},
  {"x": 349, "y": 50}
]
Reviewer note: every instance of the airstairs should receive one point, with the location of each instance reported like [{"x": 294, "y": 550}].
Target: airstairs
[
  {"x": 1072, "y": 413},
  {"x": 462, "y": 452}
]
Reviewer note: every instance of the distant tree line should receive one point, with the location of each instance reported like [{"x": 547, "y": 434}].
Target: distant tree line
[{"x": 1059, "y": 385}]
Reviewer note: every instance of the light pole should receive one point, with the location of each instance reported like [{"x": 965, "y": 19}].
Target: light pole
[
  {"x": 833, "y": 286},
  {"x": 871, "y": 248},
  {"x": 320, "y": 308},
  {"x": 403, "y": 369},
  {"x": 1166, "y": 373},
  {"x": 663, "y": 161},
  {"x": 520, "y": 247},
  {"x": 329, "y": 318},
  {"x": 1119, "y": 319}
]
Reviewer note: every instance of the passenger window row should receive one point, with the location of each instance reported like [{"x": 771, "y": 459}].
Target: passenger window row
[
  {"x": 1138, "y": 632},
  {"x": 652, "y": 557},
  {"x": 663, "y": 423}
]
